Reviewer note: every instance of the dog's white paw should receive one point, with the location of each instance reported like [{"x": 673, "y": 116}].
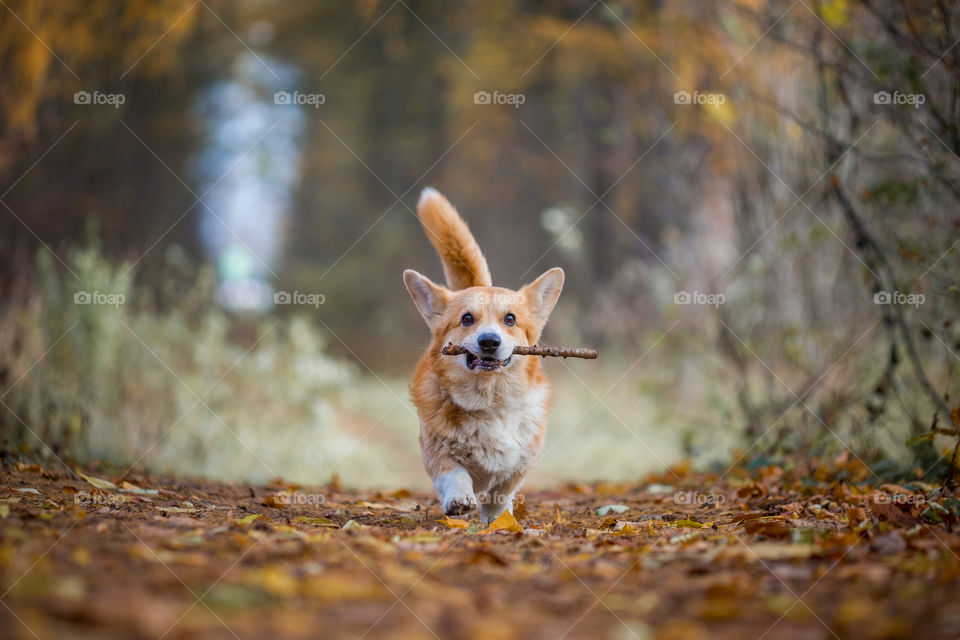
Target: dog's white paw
[
  {"x": 455, "y": 490},
  {"x": 459, "y": 504}
]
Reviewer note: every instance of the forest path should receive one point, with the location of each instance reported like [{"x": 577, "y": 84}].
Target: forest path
[{"x": 811, "y": 553}]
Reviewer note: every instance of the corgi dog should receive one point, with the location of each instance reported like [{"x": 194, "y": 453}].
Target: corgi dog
[{"x": 483, "y": 414}]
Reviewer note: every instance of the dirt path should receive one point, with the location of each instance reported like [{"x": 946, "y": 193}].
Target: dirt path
[{"x": 775, "y": 555}]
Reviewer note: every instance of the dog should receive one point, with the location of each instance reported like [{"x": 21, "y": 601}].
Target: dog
[{"x": 483, "y": 414}]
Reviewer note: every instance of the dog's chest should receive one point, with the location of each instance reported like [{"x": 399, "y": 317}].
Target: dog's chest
[{"x": 496, "y": 443}]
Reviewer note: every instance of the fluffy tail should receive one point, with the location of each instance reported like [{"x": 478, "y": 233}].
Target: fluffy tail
[{"x": 463, "y": 262}]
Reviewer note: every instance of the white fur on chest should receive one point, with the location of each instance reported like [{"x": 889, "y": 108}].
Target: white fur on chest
[{"x": 497, "y": 442}]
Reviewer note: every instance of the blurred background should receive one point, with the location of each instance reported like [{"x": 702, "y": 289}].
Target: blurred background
[{"x": 207, "y": 206}]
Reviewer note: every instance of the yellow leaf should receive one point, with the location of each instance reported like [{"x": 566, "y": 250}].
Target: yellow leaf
[
  {"x": 320, "y": 521},
  {"x": 505, "y": 522},
  {"x": 688, "y": 523},
  {"x": 455, "y": 523},
  {"x": 99, "y": 483},
  {"x": 247, "y": 519}
]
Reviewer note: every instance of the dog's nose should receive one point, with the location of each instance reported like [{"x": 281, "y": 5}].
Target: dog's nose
[{"x": 489, "y": 341}]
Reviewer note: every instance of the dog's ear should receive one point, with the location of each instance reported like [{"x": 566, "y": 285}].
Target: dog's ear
[
  {"x": 542, "y": 294},
  {"x": 431, "y": 299}
]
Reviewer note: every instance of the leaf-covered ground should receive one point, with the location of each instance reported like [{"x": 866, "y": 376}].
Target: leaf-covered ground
[{"x": 814, "y": 552}]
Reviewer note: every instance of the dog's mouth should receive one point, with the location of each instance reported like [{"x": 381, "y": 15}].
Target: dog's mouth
[{"x": 485, "y": 363}]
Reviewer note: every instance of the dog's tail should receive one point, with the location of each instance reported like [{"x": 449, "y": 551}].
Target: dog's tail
[{"x": 463, "y": 262}]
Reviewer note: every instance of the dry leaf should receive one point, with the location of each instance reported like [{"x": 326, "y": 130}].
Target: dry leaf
[
  {"x": 247, "y": 519},
  {"x": 277, "y": 500},
  {"x": 99, "y": 483},
  {"x": 455, "y": 523},
  {"x": 504, "y": 522}
]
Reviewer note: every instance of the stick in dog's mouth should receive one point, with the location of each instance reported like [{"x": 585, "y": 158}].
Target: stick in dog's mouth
[
  {"x": 536, "y": 350},
  {"x": 485, "y": 364}
]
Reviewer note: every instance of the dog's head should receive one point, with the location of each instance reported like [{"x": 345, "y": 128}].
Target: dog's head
[{"x": 488, "y": 321}]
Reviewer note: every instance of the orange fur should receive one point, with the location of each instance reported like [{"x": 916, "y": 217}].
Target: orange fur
[
  {"x": 463, "y": 262},
  {"x": 480, "y": 430}
]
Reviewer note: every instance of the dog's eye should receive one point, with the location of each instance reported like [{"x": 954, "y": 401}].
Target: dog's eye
[
  {"x": 467, "y": 319},
  {"x": 510, "y": 320}
]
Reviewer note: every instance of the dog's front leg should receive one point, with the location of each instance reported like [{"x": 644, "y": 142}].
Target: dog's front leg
[
  {"x": 495, "y": 504},
  {"x": 455, "y": 490},
  {"x": 500, "y": 497}
]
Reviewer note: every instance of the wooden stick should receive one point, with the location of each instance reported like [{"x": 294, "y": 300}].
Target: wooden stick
[{"x": 536, "y": 350}]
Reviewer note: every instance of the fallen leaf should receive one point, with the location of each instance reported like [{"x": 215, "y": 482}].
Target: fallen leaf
[
  {"x": 277, "y": 500},
  {"x": 771, "y": 527},
  {"x": 455, "y": 523},
  {"x": 129, "y": 487},
  {"x": 856, "y": 518},
  {"x": 891, "y": 513},
  {"x": 247, "y": 519},
  {"x": 752, "y": 491},
  {"x": 611, "y": 508},
  {"x": 99, "y": 483},
  {"x": 686, "y": 522},
  {"x": 317, "y": 521},
  {"x": 505, "y": 522}
]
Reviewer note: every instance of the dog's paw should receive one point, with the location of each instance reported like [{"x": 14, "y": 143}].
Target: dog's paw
[{"x": 458, "y": 505}]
